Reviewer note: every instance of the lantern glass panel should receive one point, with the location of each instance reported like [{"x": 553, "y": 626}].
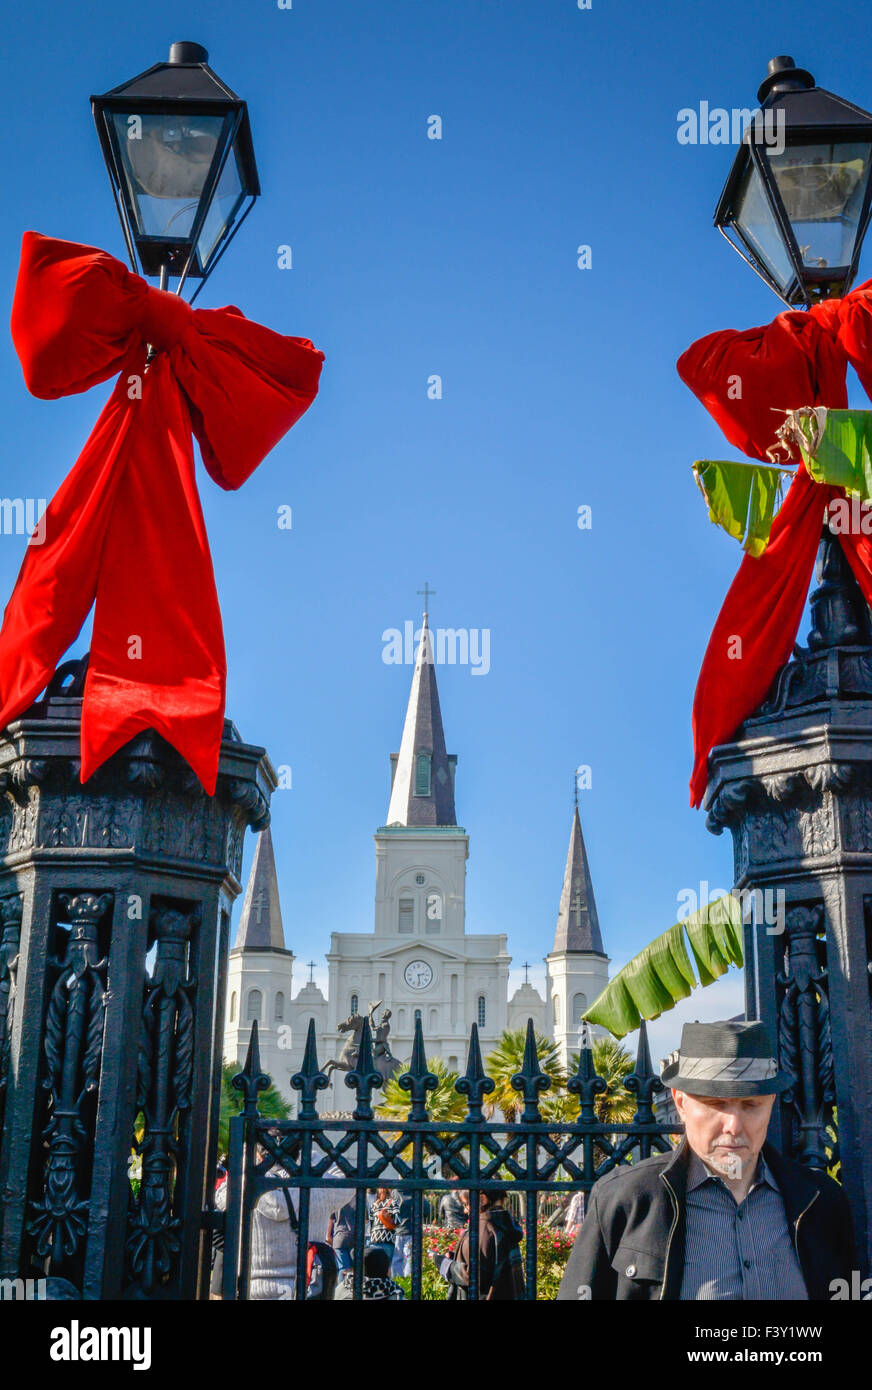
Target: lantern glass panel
[
  {"x": 756, "y": 224},
  {"x": 226, "y": 202},
  {"x": 165, "y": 161},
  {"x": 823, "y": 187}
]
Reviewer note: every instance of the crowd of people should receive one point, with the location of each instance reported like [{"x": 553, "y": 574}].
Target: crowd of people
[{"x": 387, "y": 1234}]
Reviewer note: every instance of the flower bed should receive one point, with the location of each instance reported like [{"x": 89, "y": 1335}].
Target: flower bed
[{"x": 552, "y": 1251}]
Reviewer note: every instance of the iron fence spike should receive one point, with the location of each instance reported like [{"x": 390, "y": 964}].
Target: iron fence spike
[
  {"x": 643, "y": 1082},
  {"x": 252, "y": 1056},
  {"x": 643, "y": 1054},
  {"x": 531, "y": 1079},
  {"x": 418, "y": 1064},
  {"x": 364, "y": 1078},
  {"x": 310, "y": 1055},
  {"x": 251, "y": 1079},
  {"x": 418, "y": 1080},
  {"x": 474, "y": 1064},
  {"x": 476, "y": 1084},
  {"x": 309, "y": 1079}
]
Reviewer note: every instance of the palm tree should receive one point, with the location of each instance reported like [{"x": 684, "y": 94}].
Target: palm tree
[
  {"x": 615, "y": 1105},
  {"x": 269, "y": 1103},
  {"x": 506, "y": 1060},
  {"x": 444, "y": 1103}
]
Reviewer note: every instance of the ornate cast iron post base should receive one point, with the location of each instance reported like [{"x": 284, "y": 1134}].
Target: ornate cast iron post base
[
  {"x": 795, "y": 790},
  {"x": 115, "y": 902}
]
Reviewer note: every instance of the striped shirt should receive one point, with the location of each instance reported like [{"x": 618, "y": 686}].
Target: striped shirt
[{"x": 738, "y": 1251}]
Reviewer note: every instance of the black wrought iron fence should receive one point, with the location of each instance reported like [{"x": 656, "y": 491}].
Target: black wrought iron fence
[{"x": 536, "y": 1159}]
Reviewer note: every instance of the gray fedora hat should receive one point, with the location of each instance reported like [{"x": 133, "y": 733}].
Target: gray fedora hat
[{"x": 724, "y": 1059}]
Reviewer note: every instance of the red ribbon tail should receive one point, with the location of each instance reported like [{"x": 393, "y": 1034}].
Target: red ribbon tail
[
  {"x": 157, "y": 652},
  {"x": 756, "y": 628},
  {"x": 189, "y": 716},
  {"x": 58, "y": 578}
]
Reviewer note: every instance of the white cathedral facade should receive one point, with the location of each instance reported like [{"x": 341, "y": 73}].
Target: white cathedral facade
[{"x": 420, "y": 960}]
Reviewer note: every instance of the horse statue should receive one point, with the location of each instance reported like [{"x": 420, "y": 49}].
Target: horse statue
[{"x": 384, "y": 1062}]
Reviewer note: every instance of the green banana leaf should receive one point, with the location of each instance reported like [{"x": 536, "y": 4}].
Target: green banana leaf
[
  {"x": 659, "y": 976},
  {"x": 715, "y": 935},
  {"x": 742, "y": 498},
  {"x": 836, "y": 447}
]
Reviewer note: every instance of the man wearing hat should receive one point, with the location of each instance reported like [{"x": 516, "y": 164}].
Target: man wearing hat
[{"x": 725, "y": 1215}]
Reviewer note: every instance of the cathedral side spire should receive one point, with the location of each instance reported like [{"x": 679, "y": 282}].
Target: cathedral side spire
[
  {"x": 260, "y": 927},
  {"x": 422, "y": 792},
  {"x": 578, "y": 926}
]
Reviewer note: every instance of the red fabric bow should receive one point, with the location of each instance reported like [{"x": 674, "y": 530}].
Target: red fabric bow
[
  {"x": 126, "y": 527},
  {"x": 745, "y": 380}
]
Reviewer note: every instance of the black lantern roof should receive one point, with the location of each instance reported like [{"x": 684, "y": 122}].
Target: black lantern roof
[
  {"x": 178, "y": 148},
  {"x": 797, "y": 200}
]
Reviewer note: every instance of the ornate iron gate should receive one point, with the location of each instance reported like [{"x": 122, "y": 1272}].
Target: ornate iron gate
[{"x": 535, "y": 1156}]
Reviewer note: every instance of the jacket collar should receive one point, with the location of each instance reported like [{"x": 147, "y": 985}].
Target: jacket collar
[
  {"x": 798, "y": 1189},
  {"x": 675, "y": 1171}
]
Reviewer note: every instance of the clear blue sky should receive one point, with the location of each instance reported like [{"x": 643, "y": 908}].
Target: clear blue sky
[{"x": 457, "y": 257}]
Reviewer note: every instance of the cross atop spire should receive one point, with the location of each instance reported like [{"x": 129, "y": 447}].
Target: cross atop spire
[
  {"x": 422, "y": 790},
  {"x": 578, "y": 926},
  {"x": 426, "y": 591}
]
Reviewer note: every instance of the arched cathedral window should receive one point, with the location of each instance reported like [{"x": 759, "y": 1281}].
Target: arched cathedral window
[
  {"x": 254, "y": 1010},
  {"x": 233, "y": 1007},
  {"x": 354, "y": 1002},
  {"x": 579, "y": 1004},
  {"x": 482, "y": 1011},
  {"x": 280, "y": 1007}
]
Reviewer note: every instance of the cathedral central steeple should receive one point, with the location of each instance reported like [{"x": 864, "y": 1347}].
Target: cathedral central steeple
[{"x": 422, "y": 790}]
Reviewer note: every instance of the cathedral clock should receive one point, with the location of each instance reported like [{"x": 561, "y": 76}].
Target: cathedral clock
[{"x": 418, "y": 974}]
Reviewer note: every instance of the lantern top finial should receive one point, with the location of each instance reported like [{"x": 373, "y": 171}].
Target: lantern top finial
[
  {"x": 784, "y": 76},
  {"x": 186, "y": 52}
]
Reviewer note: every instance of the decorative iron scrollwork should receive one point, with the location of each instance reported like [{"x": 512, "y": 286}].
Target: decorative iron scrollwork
[
  {"x": 10, "y": 935},
  {"x": 730, "y": 802},
  {"x": 252, "y": 801},
  {"x": 73, "y": 1047},
  {"x": 804, "y": 1036},
  {"x": 28, "y": 772},
  {"x": 164, "y": 1080}
]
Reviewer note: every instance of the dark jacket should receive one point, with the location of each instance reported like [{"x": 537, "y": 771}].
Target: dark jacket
[
  {"x": 452, "y": 1211},
  {"x": 500, "y": 1272},
  {"x": 343, "y": 1227},
  {"x": 631, "y": 1244}
]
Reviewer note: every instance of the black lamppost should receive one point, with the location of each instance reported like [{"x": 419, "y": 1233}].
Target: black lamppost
[
  {"x": 796, "y": 203},
  {"x": 177, "y": 145},
  {"x": 116, "y": 894},
  {"x": 794, "y": 785}
]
